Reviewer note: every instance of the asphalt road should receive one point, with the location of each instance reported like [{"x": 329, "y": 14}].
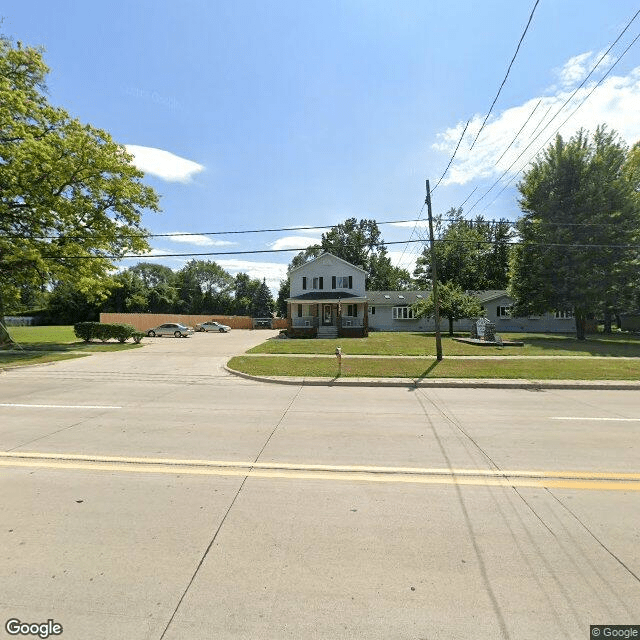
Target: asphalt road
[{"x": 149, "y": 494}]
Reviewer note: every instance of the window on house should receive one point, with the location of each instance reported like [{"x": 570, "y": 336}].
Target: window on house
[
  {"x": 341, "y": 282},
  {"x": 503, "y": 311},
  {"x": 373, "y": 311},
  {"x": 564, "y": 315},
  {"x": 352, "y": 310},
  {"x": 318, "y": 283},
  {"x": 304, "y": 282},
  {"x": 402, "y": 313}
]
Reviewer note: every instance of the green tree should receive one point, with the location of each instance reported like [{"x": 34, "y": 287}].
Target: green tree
[
  {"x": 359, "y": 243},
  {"x": 471, "y": 253},
  {"x": 204, "y": 287},
  {"x": 454, "y": 304},
  {"x": 284, "y": 292},
  {"x": 245, "y": 292},
  {"x": 70, "y": 197},
  {"x": 263, "y": 305},
  {"x": 579, "y": 230}
]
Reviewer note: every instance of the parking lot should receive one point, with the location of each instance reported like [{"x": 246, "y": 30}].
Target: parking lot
[{"x": 149, "y": 494}]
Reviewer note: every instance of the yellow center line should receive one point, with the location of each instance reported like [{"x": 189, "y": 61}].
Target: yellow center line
[{"x": 477, "y": 477}]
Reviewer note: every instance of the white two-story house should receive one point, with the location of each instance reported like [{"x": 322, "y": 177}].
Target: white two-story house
[{"x": 327, "y": 299}]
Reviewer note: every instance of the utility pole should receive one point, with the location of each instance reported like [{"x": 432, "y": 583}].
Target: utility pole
[{"x": 434, "y": 277}]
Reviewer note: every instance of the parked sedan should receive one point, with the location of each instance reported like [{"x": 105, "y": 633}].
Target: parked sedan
[
  {"x": 171, "y": 329},
  {"x": 211, "y": 325}
]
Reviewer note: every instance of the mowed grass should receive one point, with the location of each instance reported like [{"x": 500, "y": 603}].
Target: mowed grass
[
  {"x": 37, "y": 345},
  {"x": 424, "y": 344},
  {"x": 510, "y": 368}
]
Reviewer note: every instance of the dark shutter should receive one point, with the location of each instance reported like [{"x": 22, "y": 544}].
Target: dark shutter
[
  {"x": 333, "y": 282},
  {"x": 321, "y": 282},
  {"x": 299, "y": 311},
  {"x": 304, "y": 282},
  {"x": 498, "y": 312},
  {"x": 373, "y": 311},
  {"x": 350, "y": 282},
  {"x": 355, "y": 310}
]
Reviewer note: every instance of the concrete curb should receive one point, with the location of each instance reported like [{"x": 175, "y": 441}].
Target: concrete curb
[{"x": 445, "y": 383}]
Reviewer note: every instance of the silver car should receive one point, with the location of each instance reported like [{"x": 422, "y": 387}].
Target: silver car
[
  {"x": 171, "y": 329},
  {"x": 212, "y": 325}
]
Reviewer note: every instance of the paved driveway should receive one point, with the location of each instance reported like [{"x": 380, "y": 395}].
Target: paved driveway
[{"x": 149, "y": 494}]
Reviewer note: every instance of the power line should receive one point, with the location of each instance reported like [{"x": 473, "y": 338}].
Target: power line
[
  {"x": 561, "y": 125},
  {"x": 206, "y": 233},
  {"x": 452, "y": 157},
  {"x": 534, "y": 138},
  {"x": 507, "y": 74},
  {"x": 257, "y": 251},
  {"x": 519, "y": 132}
]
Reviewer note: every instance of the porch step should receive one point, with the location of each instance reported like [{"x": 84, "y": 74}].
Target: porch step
[{"x": 327, "y": 332}]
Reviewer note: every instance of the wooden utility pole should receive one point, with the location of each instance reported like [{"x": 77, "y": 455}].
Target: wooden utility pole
[{"x": 434, "y": 277}]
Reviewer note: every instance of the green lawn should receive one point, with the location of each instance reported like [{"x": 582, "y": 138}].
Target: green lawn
[
  {"x": 423, "y": 344},
  {"x": 534, "y": 369},
  {"x": 36, "y": 345}
]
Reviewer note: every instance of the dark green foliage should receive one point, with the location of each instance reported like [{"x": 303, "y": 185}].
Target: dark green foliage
[
  {"x": 579, "y": 230},
  {"x": 88, "y": 331},
  {"x": 473, "y": 254}
]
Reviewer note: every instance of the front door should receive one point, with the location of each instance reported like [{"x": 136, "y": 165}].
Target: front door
[{"x": 327, "y": 315}]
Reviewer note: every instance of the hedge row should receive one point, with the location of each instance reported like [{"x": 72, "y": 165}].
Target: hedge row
[{"x": 88, "y": 331}]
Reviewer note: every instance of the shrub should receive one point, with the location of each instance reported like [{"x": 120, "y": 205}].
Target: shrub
[
  {"x": 138, "y": 335},
  {"x": 88, "y": 331}
]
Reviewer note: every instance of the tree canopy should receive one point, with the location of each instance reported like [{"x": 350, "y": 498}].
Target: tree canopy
[
  {"x": 579, "y": 230},
  {"x": 473, "y": 254},
  {"x": 70, "y": 197},
  {"x": 360, "y": 243}
]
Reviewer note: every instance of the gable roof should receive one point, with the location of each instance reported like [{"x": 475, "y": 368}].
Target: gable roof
[
  {"x": 489, "y": 295},
  {"x": 324, "y": 255}
]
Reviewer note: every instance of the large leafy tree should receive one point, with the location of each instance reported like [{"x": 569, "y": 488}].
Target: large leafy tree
[
  {"x": 474, "y": 254},
  {"x": 361, "y": 244},
  {"x": 579, "y": 230},
  {"x": 70, "y": 197},
  {"x": 204, "y": 287},
  {"x": 454, "y": 304}
]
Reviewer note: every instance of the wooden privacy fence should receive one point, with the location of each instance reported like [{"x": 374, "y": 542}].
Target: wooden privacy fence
[{"x": 146, "y": 321}]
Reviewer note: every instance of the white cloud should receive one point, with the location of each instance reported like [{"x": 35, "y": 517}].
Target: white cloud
[
  {"x": 419, "y": 224},
  {"x": 199, "y": 240},
  {"x": 406, "y": 260},
  {"x": 575, "y": 70},
  {"x": 293, "y": 242},
  {"x": 163, "y": 164},
  {"x": 272, "y": 272},
  {"x": 615, "y": 102}
]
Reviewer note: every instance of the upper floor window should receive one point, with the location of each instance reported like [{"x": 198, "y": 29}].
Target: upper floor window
[
  {"x": 503, "y": 311},
  {"x": 402, "y": 313},
  {"x": 318, "y": 283},
  {"x": 342, "y": 282}
]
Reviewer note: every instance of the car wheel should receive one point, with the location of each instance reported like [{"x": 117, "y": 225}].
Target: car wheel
[
  {"x": 221, "y": 330},
  {"x": 151, "y": 334},
  {"x": 177, "y": 334}
]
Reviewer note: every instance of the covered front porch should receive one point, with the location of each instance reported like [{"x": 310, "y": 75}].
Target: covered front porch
[{"x": 328, "y": 318}]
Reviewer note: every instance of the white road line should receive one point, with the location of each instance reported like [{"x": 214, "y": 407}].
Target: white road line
[
  {"x": 60, "y": 406},
  {"x": 603, "y": 419}
]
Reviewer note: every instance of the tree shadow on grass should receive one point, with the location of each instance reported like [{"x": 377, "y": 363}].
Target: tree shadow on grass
[{"x": 428, "y": 370}]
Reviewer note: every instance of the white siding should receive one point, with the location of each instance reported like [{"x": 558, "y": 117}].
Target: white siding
[{"x": 326, "y": 267}]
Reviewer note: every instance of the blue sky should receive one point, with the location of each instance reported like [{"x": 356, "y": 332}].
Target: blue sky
[{"x": 246, "y": 115}]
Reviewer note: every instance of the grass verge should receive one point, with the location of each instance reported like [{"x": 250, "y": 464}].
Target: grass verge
[
  {"x": 353, "y": 367},
  {"x": 37, "y": 345},
  {"x": 424, "y": 344}
]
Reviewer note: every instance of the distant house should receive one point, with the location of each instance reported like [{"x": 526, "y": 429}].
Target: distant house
[{"x": 328, "y": 299}]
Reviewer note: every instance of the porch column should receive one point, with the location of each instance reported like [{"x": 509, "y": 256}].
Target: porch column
[
  {"x": 289, "y": 318},
  {"x": 365, "y": 320}
]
